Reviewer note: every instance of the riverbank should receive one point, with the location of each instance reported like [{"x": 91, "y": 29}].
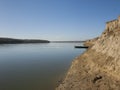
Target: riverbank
[
  {"x": 99, "y": 67},
  {"x": 86, "y": 71}
]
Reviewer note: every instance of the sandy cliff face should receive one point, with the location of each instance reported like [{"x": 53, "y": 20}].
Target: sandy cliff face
[
  {"x": 91, "y": 42},
  {"x": 99, "y": 67}
]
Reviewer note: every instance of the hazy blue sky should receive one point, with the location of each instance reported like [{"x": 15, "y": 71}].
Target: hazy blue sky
[{"x": 56, "y": 19}]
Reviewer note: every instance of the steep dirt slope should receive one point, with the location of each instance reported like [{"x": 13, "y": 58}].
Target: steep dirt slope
[{"x": 99, "y": 67}]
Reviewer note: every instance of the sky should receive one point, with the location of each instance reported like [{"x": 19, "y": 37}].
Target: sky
[{"x": 56, "y": 19}]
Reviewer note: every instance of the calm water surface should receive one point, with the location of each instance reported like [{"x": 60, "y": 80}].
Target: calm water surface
[{"x": 35, "y": 66}]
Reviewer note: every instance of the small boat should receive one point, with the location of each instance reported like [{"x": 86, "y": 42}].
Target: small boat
[{"x": 81, "y": 46}]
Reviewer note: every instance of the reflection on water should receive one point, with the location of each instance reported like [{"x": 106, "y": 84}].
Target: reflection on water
[{"x": 34, "y": 66}]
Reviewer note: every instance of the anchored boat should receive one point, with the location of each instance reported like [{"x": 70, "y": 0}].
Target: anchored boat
[{"x": 81, "y": 46}]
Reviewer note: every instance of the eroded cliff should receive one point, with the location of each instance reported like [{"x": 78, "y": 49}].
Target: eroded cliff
[{"x": 99, "y": 67}]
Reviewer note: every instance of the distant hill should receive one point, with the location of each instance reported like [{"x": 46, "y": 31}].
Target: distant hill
[{"x": 18, "y": 41}]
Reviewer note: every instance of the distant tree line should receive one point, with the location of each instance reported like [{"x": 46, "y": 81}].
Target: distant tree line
[{"x": 18, "y": 41}]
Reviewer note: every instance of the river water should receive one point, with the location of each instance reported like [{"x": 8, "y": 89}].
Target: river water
[{"x": 35, "y": 66}]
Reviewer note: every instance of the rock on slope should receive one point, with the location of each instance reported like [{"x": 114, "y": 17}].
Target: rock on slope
[{"x": 99, "y": 67}]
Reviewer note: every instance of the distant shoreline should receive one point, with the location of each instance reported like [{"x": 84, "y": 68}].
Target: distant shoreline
[
  {"x": 67, "y": 41},
  {"x": 27, "y": 41},
  {"x": 21, "y": 41}
]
